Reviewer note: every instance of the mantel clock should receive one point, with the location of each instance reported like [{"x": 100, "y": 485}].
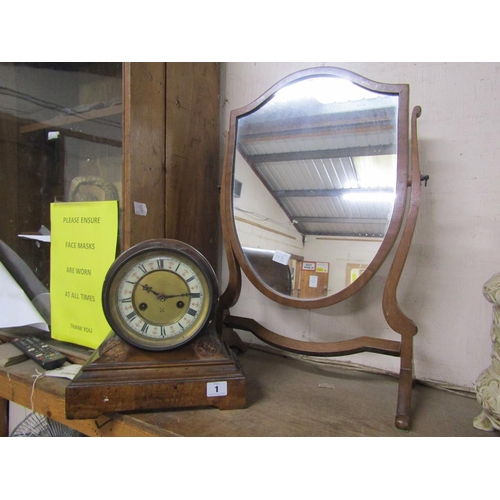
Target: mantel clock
[
  {"x": 160, "y": 298},
  {"x": 160, "y": 294}
]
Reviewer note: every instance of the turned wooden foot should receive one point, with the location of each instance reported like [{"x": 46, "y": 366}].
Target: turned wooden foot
[{"x": 402, "y": 422}]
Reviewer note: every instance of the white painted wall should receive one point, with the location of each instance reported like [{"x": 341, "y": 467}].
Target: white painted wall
[
  {"x": 260, "y": 221},
  {"x": 455, "y": 247}
]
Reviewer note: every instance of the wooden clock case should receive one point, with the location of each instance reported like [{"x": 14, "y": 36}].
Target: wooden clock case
[{"x": 123, "y": 378}]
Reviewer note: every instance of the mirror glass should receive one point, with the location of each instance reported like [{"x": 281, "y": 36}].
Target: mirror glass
[{"x": 314, "y": 184}]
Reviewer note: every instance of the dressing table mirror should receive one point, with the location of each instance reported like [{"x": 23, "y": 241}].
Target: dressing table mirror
[{"x": 321, "y": 180}]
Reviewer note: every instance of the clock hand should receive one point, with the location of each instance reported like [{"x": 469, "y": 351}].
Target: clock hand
[
  {"x": 149, "y": 289},
  {"x": 161, "y": 296},
  {"x": 179, "y": 295}
]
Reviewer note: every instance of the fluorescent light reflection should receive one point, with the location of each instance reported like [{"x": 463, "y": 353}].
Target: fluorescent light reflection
[
  {"x": 365, "y": 197},
  {"x": 326, "y": 90}
]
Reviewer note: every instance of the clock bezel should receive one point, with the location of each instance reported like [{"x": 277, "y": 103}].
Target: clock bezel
[{"x": 132, "y": 257}]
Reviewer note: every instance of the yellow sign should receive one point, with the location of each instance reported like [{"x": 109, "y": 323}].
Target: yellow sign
[
  {"x": 83, "y": 247},
  {"x": 321, "y": 267}
]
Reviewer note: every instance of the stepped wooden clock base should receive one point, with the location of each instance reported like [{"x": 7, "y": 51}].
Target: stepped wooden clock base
[{"x": 123, "y": 378}]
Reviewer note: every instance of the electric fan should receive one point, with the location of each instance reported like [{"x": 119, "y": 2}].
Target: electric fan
[{"x": 36, "y": 425}]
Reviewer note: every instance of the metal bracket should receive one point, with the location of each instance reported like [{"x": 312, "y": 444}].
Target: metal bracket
[{"x": 424, "y": 178}]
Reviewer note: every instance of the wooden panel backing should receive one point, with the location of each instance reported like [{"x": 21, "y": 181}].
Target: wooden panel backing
[
  {"x": 4, "y": 418},
  {"x": 10, "y": 179},
  {"x": 192, "y": 151},
  {"x": 143, "y": 152},
  {"x": 32, "y": 169}
]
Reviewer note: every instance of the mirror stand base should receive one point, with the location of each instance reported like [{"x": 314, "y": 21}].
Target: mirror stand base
[{"x": 403, "y": 350}]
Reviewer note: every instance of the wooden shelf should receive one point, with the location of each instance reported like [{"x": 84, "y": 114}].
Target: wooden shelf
[
  {"x": 61, "y": 121},
  {"x": 286, "y": 398}
]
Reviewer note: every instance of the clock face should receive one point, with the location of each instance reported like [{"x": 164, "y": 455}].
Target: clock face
[{"x": 160, "y": 294}]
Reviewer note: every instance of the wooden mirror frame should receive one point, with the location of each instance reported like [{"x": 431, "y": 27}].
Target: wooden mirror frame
[{"x": 402, "y": 224}]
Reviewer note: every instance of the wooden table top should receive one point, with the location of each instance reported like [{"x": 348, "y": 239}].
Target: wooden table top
[{"x": 285, "y": 397}]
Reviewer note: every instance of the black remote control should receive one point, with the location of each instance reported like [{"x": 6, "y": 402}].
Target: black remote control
[{"x": 41, "y": 353}]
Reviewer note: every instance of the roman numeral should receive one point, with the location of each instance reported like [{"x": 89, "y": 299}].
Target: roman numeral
[
  {"x": 131, "y": 316},
  {"x": 192, "y": 311},
  {"x": 190, "y": 279},
  {"x": 127, "y": 299},
  {"x": 144, "y": 328},
  {"x": 142, "y": 267},
  {"x": 161, "y": 264}
]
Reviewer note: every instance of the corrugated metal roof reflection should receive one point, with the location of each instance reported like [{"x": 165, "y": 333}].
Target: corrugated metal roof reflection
[{"x": 309, "y": 157}]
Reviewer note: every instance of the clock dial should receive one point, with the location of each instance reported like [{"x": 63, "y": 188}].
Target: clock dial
[
  {"x": 160, "y": 294},
  {"x": 161, "y": 301}
]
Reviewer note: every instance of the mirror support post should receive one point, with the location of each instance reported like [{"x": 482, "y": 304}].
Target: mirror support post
[
  {"x": 231, "y": 294},
  {"x": 395, "y": 318}
]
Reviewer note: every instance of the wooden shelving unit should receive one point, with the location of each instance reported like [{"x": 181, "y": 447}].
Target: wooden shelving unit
[
  {"x": 152, "y": 105},
  {"x": 64, "y": 120}
]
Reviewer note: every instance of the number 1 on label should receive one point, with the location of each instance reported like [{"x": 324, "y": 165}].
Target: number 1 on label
[{"x": 216, "y": 389}]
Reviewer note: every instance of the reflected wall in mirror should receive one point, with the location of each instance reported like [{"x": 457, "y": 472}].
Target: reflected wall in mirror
[{"x": 319, "y": 161}]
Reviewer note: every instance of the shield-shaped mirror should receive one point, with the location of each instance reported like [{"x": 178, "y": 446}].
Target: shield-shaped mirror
[{"x": 315, "y": 184}]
